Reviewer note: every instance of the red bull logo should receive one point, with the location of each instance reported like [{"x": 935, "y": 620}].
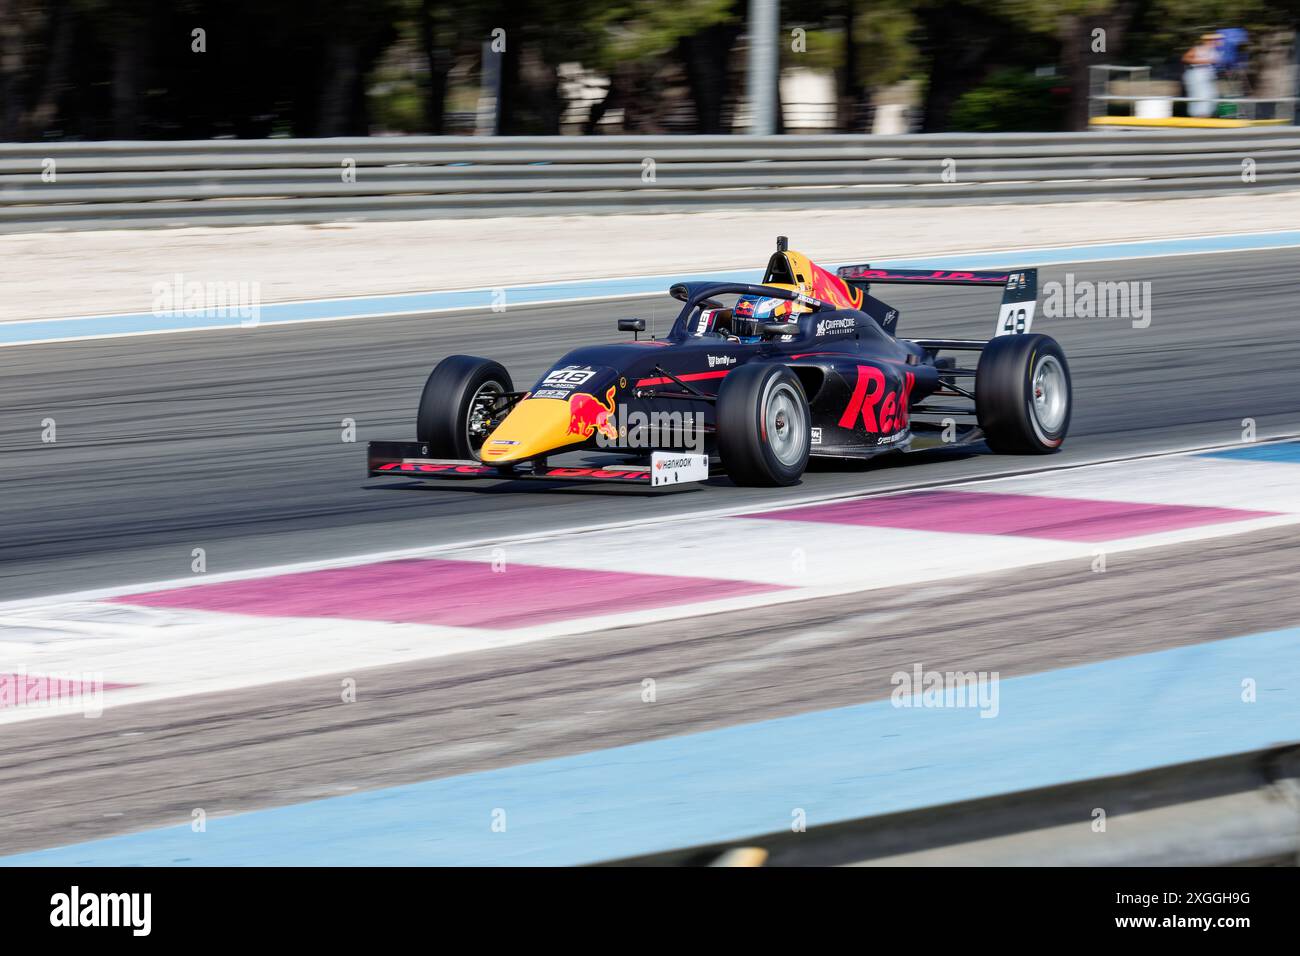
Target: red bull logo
[
  {"x": 588, "y": 415},
  {"x": 831, "y": 288},
  {"x": 882, "y": 410}
]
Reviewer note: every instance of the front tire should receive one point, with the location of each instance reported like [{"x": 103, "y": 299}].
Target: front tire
[
  {"x": 459, "y": 404},
  {"x": 764, "y": 433},
  {"x": 1023, "y": 394}
]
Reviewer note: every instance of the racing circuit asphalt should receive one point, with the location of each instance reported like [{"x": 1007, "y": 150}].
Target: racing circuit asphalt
[{"x": 230, "y": 441}]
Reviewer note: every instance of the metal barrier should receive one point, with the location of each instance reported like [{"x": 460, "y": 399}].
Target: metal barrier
[
  {"x": 241, "y": 182},
  {"x": 1235, "y": 810}
]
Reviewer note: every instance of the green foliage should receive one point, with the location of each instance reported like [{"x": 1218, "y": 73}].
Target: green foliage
[
  {"x": 1010, "y": 101},
  {"x": 883, "y": 33},
  {"x": 635, "y": 29},
  {"x": 398, "y": 109}
]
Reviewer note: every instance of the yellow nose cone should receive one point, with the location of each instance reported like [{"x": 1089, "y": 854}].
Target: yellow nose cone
[{"x": 537, "y": 426}]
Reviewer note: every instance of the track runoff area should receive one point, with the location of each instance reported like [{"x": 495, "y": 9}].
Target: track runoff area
[{"x": 175, "y": 639}]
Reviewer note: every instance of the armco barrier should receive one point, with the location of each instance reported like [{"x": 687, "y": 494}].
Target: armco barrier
[
  {"x": 1237, "y": 810},
  {"x": 237, "y": 182}
]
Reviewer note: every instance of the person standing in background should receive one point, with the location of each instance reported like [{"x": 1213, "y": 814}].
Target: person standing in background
[{"x": 1199, "y": 77}]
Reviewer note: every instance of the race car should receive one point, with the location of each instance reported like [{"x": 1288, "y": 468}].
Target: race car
[{"x": 751, "y": 381}]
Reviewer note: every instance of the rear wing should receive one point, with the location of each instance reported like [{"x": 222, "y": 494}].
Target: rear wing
[{"x": 1019, "y": 288}]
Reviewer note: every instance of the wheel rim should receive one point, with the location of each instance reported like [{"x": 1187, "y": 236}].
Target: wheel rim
[
  {"x": 1051, "y": 394},
  {"x": 786, "y": 426},
  {"x": 479, "y": 417}
]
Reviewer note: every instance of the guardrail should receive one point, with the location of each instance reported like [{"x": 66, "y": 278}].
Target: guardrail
[
  {"x": 1237, "y": 810},
  {"x": 240, "y": 182}
]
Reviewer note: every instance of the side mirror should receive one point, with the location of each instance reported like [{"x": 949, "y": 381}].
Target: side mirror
[
  {"x": 778, "y": 328},
  {"x": 631, "y": 325}
]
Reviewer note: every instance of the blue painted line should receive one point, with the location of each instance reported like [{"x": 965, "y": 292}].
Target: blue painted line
[
  {"x": 1114, "y": 717},
  {"x": 45, "y": 330},
  {"x": 1287, "y": 451},
  {"x": 333, "y": 309}
]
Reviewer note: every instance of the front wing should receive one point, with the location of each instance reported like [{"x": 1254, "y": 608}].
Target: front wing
[{"x": 410, "y": 459}]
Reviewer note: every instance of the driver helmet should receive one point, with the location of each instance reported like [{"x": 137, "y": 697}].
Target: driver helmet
[{"x": 750, "y": 310}]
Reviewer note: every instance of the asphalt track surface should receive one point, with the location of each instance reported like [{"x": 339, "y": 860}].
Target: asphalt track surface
[{"x": 230, "y": 441}]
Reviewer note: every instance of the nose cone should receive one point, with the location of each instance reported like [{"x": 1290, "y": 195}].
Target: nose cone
[{"x": 534, "y": 427}]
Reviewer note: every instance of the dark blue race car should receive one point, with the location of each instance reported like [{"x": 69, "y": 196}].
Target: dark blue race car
[{"x": 751, "y": 381}]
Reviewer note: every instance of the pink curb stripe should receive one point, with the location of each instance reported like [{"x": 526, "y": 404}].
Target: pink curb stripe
[
  {"x": 452, "y": 593},
  {"x": 1032, "y": 516}
]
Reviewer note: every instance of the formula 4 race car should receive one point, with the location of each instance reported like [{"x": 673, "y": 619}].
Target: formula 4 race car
[{"x": 806, "y": 364}]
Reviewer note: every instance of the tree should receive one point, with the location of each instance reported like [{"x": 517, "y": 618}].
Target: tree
[{"x": 868, "y": 46}]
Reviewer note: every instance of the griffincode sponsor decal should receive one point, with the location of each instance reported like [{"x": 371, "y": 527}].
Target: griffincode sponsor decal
[
  {"x": 882, "y": 410},
  {"x": 816, "y": 436},
  {"x": 716, "y": 360},
  {"x": 831, "y": 326},
  {"x": 551, "y": 393}
]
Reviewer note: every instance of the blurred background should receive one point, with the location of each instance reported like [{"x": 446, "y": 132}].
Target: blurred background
[{"x": 194, "y": 69}]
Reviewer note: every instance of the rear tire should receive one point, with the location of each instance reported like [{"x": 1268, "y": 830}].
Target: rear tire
[
  {"x": 764, "y": 434},
  {"x": 1023, "y": 395},
  {"x": 456, "y": 404}
]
